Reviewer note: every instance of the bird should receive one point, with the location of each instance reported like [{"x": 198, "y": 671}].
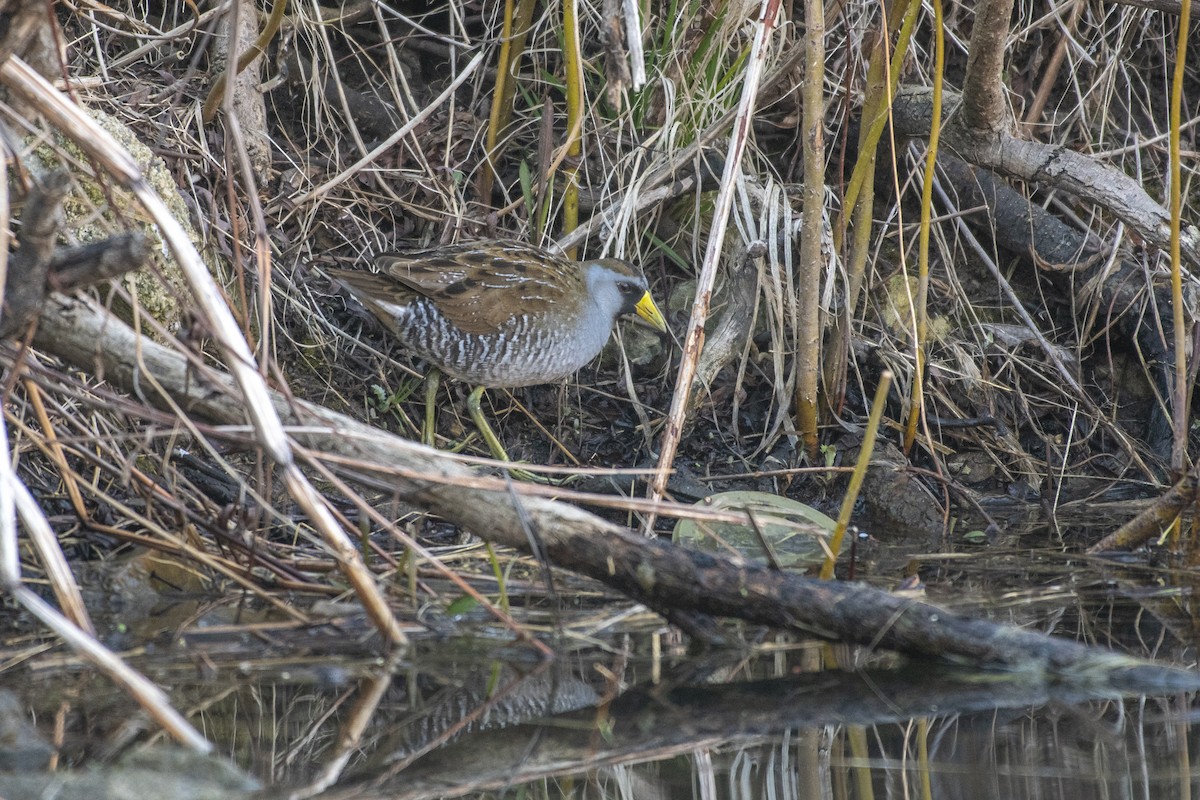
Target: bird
[{"x": 500, "y": 314}]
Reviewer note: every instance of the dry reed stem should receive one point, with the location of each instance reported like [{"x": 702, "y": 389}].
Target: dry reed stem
[
  {"x": 15, "y": 500},
  {"x": 812, "y": 135},
  {"x": 694, "y": 339},
  {"x": 102, "y": 147}
]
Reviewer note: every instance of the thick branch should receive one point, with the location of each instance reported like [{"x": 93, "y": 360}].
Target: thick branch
[
  {"x": 35, "y": 267},
  {"x": 665, "y": 576},
  {"x": 25, "y": 283},
  {"x": 1052, "y": 165},
  {"x": 985, "y": 107}
]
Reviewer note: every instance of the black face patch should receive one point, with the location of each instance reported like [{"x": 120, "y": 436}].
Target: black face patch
[{"x": 631, "y": 295}]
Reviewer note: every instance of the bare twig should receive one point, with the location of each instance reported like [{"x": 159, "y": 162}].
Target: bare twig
[
  {"x": 694, "y": 340},
  {"x": 210, "y": 301}
]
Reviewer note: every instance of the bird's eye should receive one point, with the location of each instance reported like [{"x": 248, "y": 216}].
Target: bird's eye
[{"x": 627, "y": 288}]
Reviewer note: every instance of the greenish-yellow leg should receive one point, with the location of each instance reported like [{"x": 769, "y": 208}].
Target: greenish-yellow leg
[
  {"x": 498, "y": 451},
  {"x": 493, "y": 443},
  {"x": 428, "y": 428}
]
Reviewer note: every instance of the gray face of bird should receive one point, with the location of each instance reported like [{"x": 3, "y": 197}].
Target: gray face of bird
[{"x": 615, "y": 287}]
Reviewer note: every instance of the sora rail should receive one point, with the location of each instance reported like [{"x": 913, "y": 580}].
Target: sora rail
[{"x": 500, "y": 314}]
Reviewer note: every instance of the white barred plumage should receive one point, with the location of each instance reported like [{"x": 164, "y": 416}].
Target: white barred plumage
[{"x": 501, "y": 314}]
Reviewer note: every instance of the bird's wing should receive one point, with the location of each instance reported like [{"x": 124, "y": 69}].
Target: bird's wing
[
  {"x": 381, "y": 294},
  {"x": 479, "y": 287}
]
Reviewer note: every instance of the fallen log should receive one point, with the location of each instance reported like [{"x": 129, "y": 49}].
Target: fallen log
[{"x": 674, "y": 581}]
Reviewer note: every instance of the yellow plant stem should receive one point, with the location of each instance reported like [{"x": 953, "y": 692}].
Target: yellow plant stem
[
  {"x": 498, "y": 572},
  {"x": 923, "y": 769},
  {"x": 860, "y": 749},
  {"x": 513, "y": 35},
  {"x": 860, "y": 209},
  {"x": 882, "y": 113},
  {"x": 573, "y": 66},
  {"x": 860, "y": 472},
  {"x": 1182, "y": 399},
  {"x": 920, "y": 305}
]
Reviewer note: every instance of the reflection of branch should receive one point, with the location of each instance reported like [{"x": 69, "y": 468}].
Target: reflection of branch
[
  {"x": 475, "y": 700},
  {"x": 679, "y": 719}
]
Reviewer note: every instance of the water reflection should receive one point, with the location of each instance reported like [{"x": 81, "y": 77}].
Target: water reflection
[
  {"x": 960, "y": 733},
  {"x": 319, "y": 709}
]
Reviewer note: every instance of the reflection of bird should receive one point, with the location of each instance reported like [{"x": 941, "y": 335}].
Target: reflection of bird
[{"x": 501, "y": 314}]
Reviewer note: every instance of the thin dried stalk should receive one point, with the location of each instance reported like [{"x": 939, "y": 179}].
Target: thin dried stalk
[
  {"x": 921, "y": 303},
  {"x": 16, "y": 500},
  {"x": 573, "y": 67},
  {"x": 1182, "y": 399},
  {"x": 811, "y": 258},
  {"x": 210, "y": 302},
  {"x": 694, "y": 340}
]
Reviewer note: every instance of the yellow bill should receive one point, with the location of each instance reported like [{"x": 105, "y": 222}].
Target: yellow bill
[{"x": 648, "y": 311}]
